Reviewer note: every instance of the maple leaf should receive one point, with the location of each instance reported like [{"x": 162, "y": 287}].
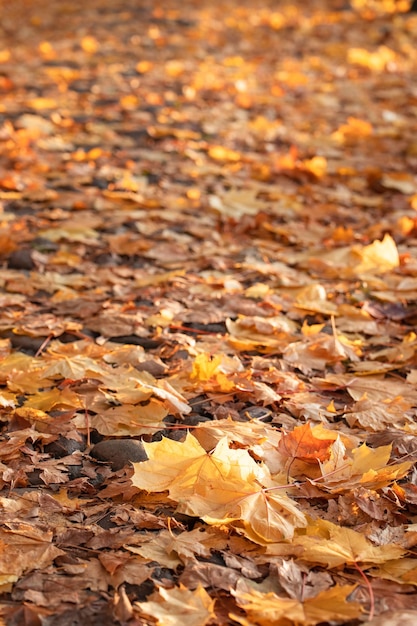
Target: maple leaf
[
  {"x": 103, "y": 234},
  {"x": 302, "y": 444},
  {"x": 330, "y": 545},
  {"x": 173, "y": 550},
  {"x": 254, "y": 332},
  {"x": 157, "y": 550},
  {"x": 222, "y": 486},
  {"x": 374, "y": 388},
  {"x": 373, "y": 415},
  {"x": 362, "y": 466},
  {"x": 379, "y": 257},
  {"x": 403, "y": 571},
  {"x": 75, "y": 367},
  {"x": 207, "y": 370},
  {"x": 128, "y": 419},
  {"x": 236, "y": 203},
  {"x": 25, "y": 547},
  {"x": 132, "y": 386},
  {"x": 269, "y": 609},
  {"x": 167, "y": 459},
  {"x": 53, "y": 398},
  {"x": 178, "y": 465},
  {"x": 67, "y": 503},
  {"x": 314, "y": 298},
  {"x": 248, "y": 434},
  {"x": 179, "y": 606},
  {"x": 268, "y": 516}
]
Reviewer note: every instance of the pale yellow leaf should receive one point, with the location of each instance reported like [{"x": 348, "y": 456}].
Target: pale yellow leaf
[
  {"x": 167, "y": 460},
  {"x": 179, "y": 607},
  {"x": 331, "y": 545},
  {"x": 269, "y": 609},
  {"x": 223, "y": 486}
]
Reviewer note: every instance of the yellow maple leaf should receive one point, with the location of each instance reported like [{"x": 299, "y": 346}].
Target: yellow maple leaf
[
  {"x": 223, "y": 486},
  {"x": 166, "y": 460},
  {"x": 269, "y": 609},
  {"x": 362, "y": 466},
  {"x": 380, "y": 256},
  {"x": 207, "y": 370},
  {"x": 187, "y": 470},
  {"x": 53, "y": 398},
  {"x": 403, "y": 571},
  {"x": 377, "y": 258},
  {"x": 331, "y": 545},
  {"x": 179, "y": 606},
  {"x": 269, "y": 516}
]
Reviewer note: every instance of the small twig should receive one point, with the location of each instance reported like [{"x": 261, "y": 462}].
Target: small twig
[{"x": 43, "y": 345}]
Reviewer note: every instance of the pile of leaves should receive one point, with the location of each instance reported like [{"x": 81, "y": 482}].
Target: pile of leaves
[{"x": 208, "y": 292}]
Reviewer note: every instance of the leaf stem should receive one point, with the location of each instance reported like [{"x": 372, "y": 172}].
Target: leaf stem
[{"x": 370, "y": 591}]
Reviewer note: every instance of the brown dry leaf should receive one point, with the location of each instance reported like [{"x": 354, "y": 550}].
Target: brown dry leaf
[
  {"x": 248, "y": 434},
  {"x": 129, "y": 419},
  {"x": 172, "y": 549},
  {"x": 268, "y": 334},
  {"x": 179, "y": 606},
  {"x": 237, "y": 202},
  {"x": 133, "y": 386},
  {"x": 374, "y": 388},
  {"x": 74, "y": 367},
  {"x": 25, "y": 548},
  {"x": 209, "y": 575},
  {"x": 373, "y": 416},
  {"x": 393, "y": 618},
  {"x": 266, "y": 516},
  {"x": 189, "y": 201},
  {"x": 67, "y": 503},
  {"x": 314, "y": 298}
]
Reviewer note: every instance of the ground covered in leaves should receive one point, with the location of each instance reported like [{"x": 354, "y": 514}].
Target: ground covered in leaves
[{"x": 208, "y": 293}]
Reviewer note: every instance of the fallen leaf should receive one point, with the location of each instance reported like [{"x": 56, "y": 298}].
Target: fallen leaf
[
  {"x": 268, "y": 609},
  {"x": 332, "y": 546},
  {"x": 179, "y": 606}
]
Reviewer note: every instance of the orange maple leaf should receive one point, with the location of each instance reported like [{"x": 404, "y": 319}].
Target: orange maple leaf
[{"x": 302, "y": 444}]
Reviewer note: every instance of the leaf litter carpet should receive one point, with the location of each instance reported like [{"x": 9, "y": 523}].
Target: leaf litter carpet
[{"x": 208, "y": 293}]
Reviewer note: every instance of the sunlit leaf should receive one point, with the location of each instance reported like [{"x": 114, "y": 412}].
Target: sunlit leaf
[
  {"x": 179, "y": 606},
  {"x": 269, "y": 609},
  {"x": 332, "y": 545}
]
